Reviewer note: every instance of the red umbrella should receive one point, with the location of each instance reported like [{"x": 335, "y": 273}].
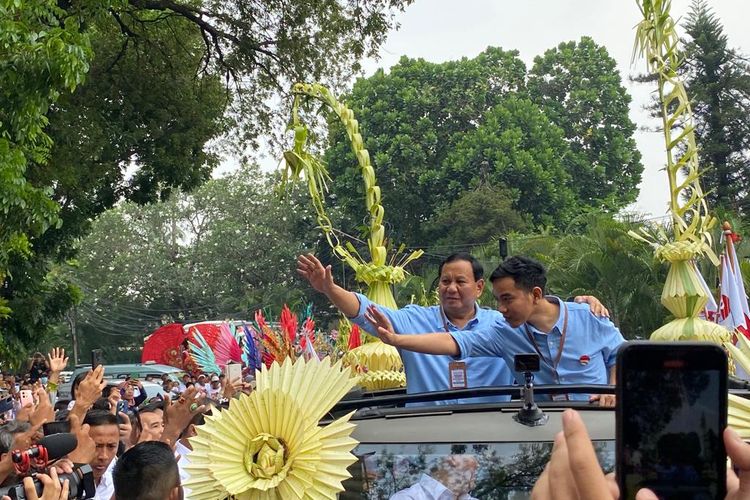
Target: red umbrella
[{"x": 164, "y": 345}]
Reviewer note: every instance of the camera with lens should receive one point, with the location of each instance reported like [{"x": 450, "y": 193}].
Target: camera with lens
[{"x": 80, "y": 484}]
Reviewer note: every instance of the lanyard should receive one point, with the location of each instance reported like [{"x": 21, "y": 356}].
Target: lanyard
[{"x": 562, "y": 340}]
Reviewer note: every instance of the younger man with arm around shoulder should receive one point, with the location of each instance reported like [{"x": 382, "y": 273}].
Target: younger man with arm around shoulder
[{"x": 574, "y": 346}]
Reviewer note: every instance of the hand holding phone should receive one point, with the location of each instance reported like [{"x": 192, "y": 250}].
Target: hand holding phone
[
  {"x": 26, "y": 398},
  {"x": 671, "y": 414},
  {"x": 97, "y": 358}
]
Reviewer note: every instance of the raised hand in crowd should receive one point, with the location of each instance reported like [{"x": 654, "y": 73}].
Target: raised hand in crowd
[
  {"x": 178, "y": 416},
  {"x": 85, "y": 452},
  {"x": 43, "y": 411},
  {"x": 89, "y": 390},
  {"x": 57, "y": 361},
  {"x": 126, "y": 430},
  {"x": 232, "y": 388}
]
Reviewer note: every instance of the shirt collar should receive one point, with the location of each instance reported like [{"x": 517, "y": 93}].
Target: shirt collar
[
  {"x": 560, "y": 317},
  {"x": 473, "y": 321}
]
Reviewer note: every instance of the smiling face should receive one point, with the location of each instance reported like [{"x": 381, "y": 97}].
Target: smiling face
[
  {"x": 152, "y": 425},
  {"x": 515, "y": 303},
  {"x": 458, "y": 289}
]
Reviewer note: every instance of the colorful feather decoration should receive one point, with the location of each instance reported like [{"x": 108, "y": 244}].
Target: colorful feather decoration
[
  {"x": 202, "y": 353},
  {"x": 355, "y": 338},
  {"x": 252, "y": 355},
  {"x": 288, "y": 321},
  {"x": 226, "y": 349}
]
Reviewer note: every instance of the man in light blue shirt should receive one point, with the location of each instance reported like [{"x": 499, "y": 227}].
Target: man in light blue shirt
[
  {"x": 574, "y": 346},
  {"x": 461, "y": 283}
]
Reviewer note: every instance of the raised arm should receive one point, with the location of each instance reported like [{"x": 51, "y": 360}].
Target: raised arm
[
  {"x": 428, "y": 343},
  {"x": 321, "y": 279}
]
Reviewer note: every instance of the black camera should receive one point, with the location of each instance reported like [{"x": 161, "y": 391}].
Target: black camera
[
  {"x": 80, "y": 483},
  {"x": 528, "y": 362}
]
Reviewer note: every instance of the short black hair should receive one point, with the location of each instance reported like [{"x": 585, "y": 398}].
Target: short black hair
[
  {"x": 147, "y": 471},
  {"x": 476, "y": 266},
  {"x": 96, "y": 418},
  {"x": 527, "y": 273}
]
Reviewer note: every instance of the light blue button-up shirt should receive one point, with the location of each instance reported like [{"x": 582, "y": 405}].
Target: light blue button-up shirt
[
  {"x": 590, "y": 348},
  {"x": 428, "y": 372}
]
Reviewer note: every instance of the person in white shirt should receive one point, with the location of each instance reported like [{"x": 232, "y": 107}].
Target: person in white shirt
[
  {"x": 105, "y": 432},
  {"x": 452, "y": 478},
  {"x": 213, "y": 390}
]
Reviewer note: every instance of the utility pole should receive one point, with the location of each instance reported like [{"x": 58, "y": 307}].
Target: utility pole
[{"x": 73, "y": 333}]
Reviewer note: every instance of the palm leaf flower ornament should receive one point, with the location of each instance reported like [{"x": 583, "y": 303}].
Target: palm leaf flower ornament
[
  {"x": 683, "y": 294},
  {"x": 270, "y": 444},
  {"x": 382, "y": 363}
]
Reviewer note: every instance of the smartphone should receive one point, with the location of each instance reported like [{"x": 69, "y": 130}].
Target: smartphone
[
  {"x": 670, "y": 415},
  {"x": 6, "y": 404},
  {"x": 233, "y": 372},
  {"x": 26, "y": 397},
  {"x": 56, "y": 427},
  {"x": 97, "y": 358}
]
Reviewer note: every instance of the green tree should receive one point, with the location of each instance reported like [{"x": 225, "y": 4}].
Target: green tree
[
  {"x": 221, "y": 251},
  {"x": 718, "y": 82},
  {"x": 579, "y": 88},
  {"x": 515, "y": 146},
  {"x": 42, "y": 54},
  {"x": 169, "y": 77},
  {"x": 477, "y": 216},
  {"x": 411, "y": 119}
]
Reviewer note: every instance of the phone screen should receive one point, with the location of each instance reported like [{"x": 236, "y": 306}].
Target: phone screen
[{"x": 671, "y": 416}]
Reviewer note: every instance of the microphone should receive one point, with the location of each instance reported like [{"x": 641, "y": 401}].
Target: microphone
[{"x": 48, "y": 448}]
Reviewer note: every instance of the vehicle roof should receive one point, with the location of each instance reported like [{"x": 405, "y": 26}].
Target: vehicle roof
[
  {"x": 133, "y": 367},
  {"x": 477, "y": 423}
]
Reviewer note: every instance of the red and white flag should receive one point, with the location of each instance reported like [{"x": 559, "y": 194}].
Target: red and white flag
[
  {"x": 734, "y": 312},
  {"x": 711, "y": 310}
]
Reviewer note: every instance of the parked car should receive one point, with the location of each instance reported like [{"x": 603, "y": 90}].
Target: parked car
[{"x": 121, "y": 372}]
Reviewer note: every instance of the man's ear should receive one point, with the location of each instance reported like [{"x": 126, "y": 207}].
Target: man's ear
[
  {"x": 480, "y": 287},
  {"x": 176, "y": 493},
  {"x": 537, "y": 292}
]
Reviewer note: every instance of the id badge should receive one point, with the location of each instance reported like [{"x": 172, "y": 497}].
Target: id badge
[
  {"x": 559, "y": 397},
  {"x": 457, "y": 374}
]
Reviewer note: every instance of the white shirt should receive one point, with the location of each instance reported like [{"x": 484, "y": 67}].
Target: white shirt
[
  {"x": 183, "y": 452},
  {"x": 106, "y": 488},
  {"x": 428, "y": 489}
]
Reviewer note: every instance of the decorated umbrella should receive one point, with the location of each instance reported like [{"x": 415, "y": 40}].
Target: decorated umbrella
[
  {"x": 164, "y": 345},
  {"x": 210, "y": 330}
]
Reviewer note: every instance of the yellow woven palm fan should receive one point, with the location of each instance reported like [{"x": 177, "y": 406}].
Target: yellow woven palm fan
[
  {"x": 269, "y": 445},
  {"x": 739, "y": 415}
]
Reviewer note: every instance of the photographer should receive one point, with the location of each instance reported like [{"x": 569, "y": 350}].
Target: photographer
[{"x": 53, "y": 488}]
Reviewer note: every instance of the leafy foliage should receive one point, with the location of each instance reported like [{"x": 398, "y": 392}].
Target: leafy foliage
[
  {"x": 42, "y": 54},
  {"x": 439, "y": 131},
  {"x": 222, "y": 251},
  {"x": 718, "y": 82},
  {"x": 579, "y": 88}
]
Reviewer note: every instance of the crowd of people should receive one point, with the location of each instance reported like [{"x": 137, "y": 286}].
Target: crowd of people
[{"x": 121, "y": 433}]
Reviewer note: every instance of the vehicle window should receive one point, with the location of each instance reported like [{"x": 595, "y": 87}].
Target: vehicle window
[{"x": 502, "y": 471}]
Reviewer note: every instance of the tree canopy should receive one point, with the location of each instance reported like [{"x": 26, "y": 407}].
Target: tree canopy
[
  {"x": 437, "y": 131},
  {"x": 167, "y": 79},
  {"x": 718, "y": 83}
]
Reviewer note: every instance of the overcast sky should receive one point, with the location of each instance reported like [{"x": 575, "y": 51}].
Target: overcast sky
[{"x": 442, "y": 30}]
